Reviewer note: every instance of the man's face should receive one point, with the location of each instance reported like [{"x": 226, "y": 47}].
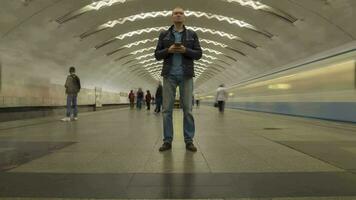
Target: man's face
[{"x": 178, "y": 15}]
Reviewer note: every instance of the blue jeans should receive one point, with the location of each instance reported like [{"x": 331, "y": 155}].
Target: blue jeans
[
  {"x": 72, "y": 107},
  {"x": 158, "y": 104},
  {"x": 139, "y": 103},
  {"x": 185, "y": 85}
]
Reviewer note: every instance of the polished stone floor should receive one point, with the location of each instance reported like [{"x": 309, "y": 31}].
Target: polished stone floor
[{"x": 114, "y": 154}]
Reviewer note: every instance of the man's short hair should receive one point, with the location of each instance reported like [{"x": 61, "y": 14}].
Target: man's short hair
[
  {"x": 176, "y": 8},
  {"x": 72, "y": 69}
]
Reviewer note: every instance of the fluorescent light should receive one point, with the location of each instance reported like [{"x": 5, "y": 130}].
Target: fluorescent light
[
  {"x": 161, "y": 28},
  {"x": 143, "y": 56},
  {"x": 167, "y": 13},
  {"x": 97, "y": 5},
  {"x": 212, "y": 51},
  {"x": 260, "y": 6},
  {"x": 214, "y": 43},
  {"x": 143, "y": 50},
  {"x": 148, "y": 60},
  {"x": 250, "y": 3},
  {"x": 279, "y": 86},
  {"x": 140, "y": 42}
]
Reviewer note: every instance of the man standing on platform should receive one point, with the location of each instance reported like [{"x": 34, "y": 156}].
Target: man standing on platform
[
  {"x": 178, "y": 47},
  {"x": 72, "y": 87}
]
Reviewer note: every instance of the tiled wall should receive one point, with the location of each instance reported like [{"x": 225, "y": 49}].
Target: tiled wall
[{"x": 52, "y": 95}]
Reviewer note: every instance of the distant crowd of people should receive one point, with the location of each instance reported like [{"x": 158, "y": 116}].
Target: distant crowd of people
[{"x": 140, "y": 97}]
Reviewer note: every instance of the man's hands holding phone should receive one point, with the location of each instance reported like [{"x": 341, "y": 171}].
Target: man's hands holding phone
[{"x": 176, "y": 48}]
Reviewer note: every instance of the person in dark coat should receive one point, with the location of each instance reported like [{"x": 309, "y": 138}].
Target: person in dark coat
[
  {"x": 158, "y": 97},
  {"x": 72, "y": 87},
  {"x": 132, "y": 99},
  {"x": 148, "y": 99}
]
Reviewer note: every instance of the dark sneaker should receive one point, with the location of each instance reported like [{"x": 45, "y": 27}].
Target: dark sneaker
[
  {"x": 190, "y": 146},
  {"x": 165, "y": 146}
]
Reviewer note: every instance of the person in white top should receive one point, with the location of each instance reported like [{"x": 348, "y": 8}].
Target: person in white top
[{"x": 221, "y": 97}]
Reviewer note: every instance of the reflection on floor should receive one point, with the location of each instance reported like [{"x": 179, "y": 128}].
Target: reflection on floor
[{"x": 114, "y": 155}]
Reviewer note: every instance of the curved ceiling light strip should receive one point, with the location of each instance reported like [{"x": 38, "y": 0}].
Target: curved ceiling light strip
[
  {"x": 202, "y": 64},
  {"x": 222, "y": 46},
  {"x": 143, "y": 56},
  {"x": 194, "y": 28},
  {"x": 223, "y": 34},
  {"x": 130, "y": 34},
  {"x": 156, "y": 39},
  {"x": 214, "y": 69},
  {"x": 197, "y": 71},
  {"x": 140, "y": 42},
  {"x": 137, "y": 58},
  {"x": 211, "y": 51},
  {"x": 263, "y": 7},
  {"x": 158, "y": 66},
  {"x": 154, "y": 70},
  {"x": 199, "y": 68},
  {"x": 154, "y": 67},
  {"x": 202, "y": 78},
  {"x": 153, "y": 48},
  {"x": 151, "y": 64},
  {"x": 97, "y": 5},
  {"x": 148, "y": 60},
  {"x": 152, "y": 60},
  {"x": 132, "y": 45},
  {"x": 210, "y": 57},
  {"x": 205, "y": 61},
  {"x": 196, "y": 63},
  {"x": 214, "y": 43},
  {"x": 143, "y": 50},
  {"x": 166, "y": 13}
]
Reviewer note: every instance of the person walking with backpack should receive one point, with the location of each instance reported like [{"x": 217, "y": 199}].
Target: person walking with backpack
[{"x": 72, "y": 87}]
